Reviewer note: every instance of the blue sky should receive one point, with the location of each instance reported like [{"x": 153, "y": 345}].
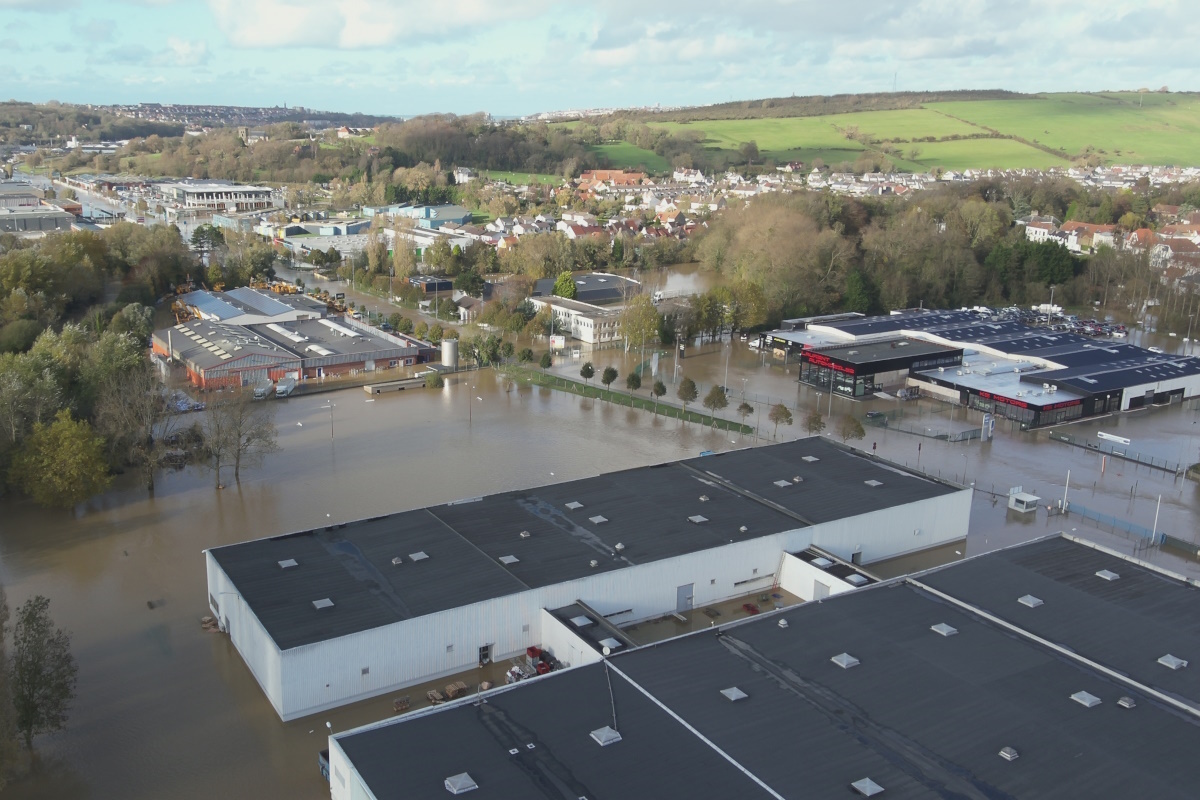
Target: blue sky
[{"x": 520, "y": 56}]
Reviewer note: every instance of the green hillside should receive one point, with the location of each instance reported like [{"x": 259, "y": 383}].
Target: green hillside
[{"x": 1035, "y": 131}]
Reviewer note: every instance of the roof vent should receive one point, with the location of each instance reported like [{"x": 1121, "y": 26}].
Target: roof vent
[
  {"x": 581, "y": 621},
  {"x": 397, "y": 561},
  {"x": 703, "y": 498},
  {"x": 593, "y": 563},
  {"x": 743, "y": 529},
  {"x": 1172, "y": 662},
  {"x": 942, "y": 629},
  {"x": 606, "y": 736},
  {"x": 287, "y": 562},
  {"x": 696, "y": 518},
  {"x": 1107, "y": 575},
  {"x": 783, "y": 623},
  {"x": 783, "y": 484},
  {"x": 460, "y": 783},
  {"x": 1009, "y": 754},
  {"x": 596, "y": 520},
  {"x": 1086, "y": 699},
  {"x": 845, "y": 660},
  {"x": 1127, "y": 702},
  {"x": 507, "y": 560},
  {"x": 866, "y": 787},
  {"x": 610, "y": 644},
  {"x": 809, "y": 459},
  {"x": 873, "y": 482},
  {"x": 420, "y": 555},
  {"x": 574, "y": 506},
  {"x": 856, "y": 579},
  {"x": 1029, "y": 600},
  {"x": 822, "y": 562},
  {"x": 524, "y": 534},
  {"x": 619, "y": 547},
  {"x": 734, "y": 694},
  {"x": 324, "y": 602},
  {"x": 796, "y": 479}
]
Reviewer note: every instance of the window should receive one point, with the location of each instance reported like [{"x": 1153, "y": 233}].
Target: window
[
  {"x": 712, "y": 582},
  {"x": 449, "y": 648},
  {"x": 366, "y": 670}
]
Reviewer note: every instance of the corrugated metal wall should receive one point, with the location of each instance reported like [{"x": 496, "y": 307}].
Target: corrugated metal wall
[
  {"x": 248, "y": 635},
  {"x": 329, "y": 674}
]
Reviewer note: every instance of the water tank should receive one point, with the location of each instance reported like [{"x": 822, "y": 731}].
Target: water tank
[{"x": 450, "y": 353}]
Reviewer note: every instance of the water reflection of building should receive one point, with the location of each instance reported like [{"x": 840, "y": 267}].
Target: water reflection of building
[
  {"x": 333, "y": 615},
  {"x": 995, "y": 364},
  {"x": 1051, "y": 669}
]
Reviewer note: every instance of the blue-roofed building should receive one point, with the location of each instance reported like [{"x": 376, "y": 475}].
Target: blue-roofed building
[{"x": 246, "y": 306}]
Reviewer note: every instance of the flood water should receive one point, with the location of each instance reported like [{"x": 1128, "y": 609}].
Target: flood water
[{"x": 167, "y": 710}]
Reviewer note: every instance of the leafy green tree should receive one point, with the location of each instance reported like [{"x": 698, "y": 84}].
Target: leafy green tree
[
  {"x": 850, "y": 428},
  {"x": 564, "y": 285},
  {"x": 546, "y": 361},
  {"x": 714, "y": 401},
  {"x": 61, "y": 464},
  {"x": 744, "y": 410},
  {"x": 587, "y": 372},
  {"x": 434, "y": 380},
  {"x": 608, "y": 376},
  {"x": 658, "y": 390},
  {"x": 421, "y": 331},
  {"x": 135, "y": 319},
  {"x": 633, "y": 382},
  {"x": 405, "y": 325},
  {"x": 814, "y": 423},
  {"x": 43, "y": 671},
  {"x": 687, "y": 392},
  {"x": 779, "y": 414},
  {"x": 470, "y": 282},
  {"x": 506, "y": 350},
  {"x": 525, "y": 356},
  {"x": 394, "y": 319},
  {"x": 135, "y": 417},
  {"x": 436, "y": 333}
]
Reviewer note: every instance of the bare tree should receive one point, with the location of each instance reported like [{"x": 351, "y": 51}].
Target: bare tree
[
  {"x": 135, "y": 416},
  {"x": 238, "y": 431}
]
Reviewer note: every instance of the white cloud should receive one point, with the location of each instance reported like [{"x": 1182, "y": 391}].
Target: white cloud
[
  {"x": 354, "y": 24},
  {"x": 183, "y": 53}
]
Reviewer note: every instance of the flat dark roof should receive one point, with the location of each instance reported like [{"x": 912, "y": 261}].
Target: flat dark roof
[
  {"x": 647, "y": 510},
  {"x": 921, "y": 714},
  {"x": 866, "y": 353}
]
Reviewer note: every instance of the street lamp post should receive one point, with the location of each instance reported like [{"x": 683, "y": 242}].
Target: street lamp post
[
  {"x": 1188, "y": 339},
  {"x": 1050, "y": 308},
  {"x": 330, "y": 407}
]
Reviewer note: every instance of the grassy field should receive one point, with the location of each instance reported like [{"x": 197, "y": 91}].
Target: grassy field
[
  {"x": 522, "y": 178},
  {"x": 1164, "y": 129},
  {"x": 1123, "y": 127},
  {"x": 623, "y": 155}
]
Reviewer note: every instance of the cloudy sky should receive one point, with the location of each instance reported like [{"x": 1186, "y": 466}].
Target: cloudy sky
[{"x": 521, "y": 56}]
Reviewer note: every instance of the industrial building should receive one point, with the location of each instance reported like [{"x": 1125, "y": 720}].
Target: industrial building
[
  {"x": 1032, "y": 375},
  {"x": 215, "y": 195},
  {"x": 39, "y": 220},
  {"x": 246, "y": 306},
  {"x": 1053, "y": 669},
  {"x": 329, "y": 616},
  {"x": 218, "y": 354}
]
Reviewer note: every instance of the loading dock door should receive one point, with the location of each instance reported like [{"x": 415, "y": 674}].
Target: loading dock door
[{"x": 683, "y": 597}]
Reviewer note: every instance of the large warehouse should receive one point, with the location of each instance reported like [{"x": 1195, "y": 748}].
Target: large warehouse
[
  {"x": 217, "y": 354},
  {"x": 1054, "y": 669},
  {"x": 334, "y": 615},
  {"x": 1032, "y": 375}
]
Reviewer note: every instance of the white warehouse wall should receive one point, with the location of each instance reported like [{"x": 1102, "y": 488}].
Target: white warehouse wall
[
  {"x": 560, "y": 641},
  {"x": 328, "y": 674},
  {"x": 248, "y": 635},
  {"x": 799, "y": 577}
]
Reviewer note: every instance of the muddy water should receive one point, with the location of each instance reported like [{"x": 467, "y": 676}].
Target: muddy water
[{"x": 166, "y": 710}]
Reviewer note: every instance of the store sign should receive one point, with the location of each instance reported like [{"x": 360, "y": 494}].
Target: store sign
[
  {"x": 1002, "y": 399},
  {"x": 1064, "y": 404},
  {"x": 821, "y": 360}
]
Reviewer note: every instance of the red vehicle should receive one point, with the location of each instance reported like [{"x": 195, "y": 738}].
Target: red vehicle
[{"x": 750, "y": 608}]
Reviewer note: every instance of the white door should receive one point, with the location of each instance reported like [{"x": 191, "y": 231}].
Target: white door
[{"x": 820, "y": 590}]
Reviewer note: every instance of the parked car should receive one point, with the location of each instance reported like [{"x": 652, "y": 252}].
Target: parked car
[{"x": 750, "y": 609}]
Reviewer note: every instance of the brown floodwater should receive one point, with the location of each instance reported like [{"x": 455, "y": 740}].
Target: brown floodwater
[{"x": 165, "y": 709}]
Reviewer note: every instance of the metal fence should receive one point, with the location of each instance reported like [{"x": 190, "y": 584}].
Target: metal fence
[
  {"x": 1117, "y": 451},
  {"x": 888, "y": 421},
  {"x": 1115, "y": 524}
]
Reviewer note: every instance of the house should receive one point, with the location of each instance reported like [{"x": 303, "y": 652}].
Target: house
[
  {"x": 1082, "y": 235},
  {"x": 1140, "y": 239},
  {"x": 1039, "y": 231},
  {"x": 612, "y": 177},
  {"x": 1179, "y": 253},
  {"x": 468, "y": 308},
  {"x": 689, "y": 176},
  {"x": 574, "y": 232},
  {"x": 464, "y": 175}
]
